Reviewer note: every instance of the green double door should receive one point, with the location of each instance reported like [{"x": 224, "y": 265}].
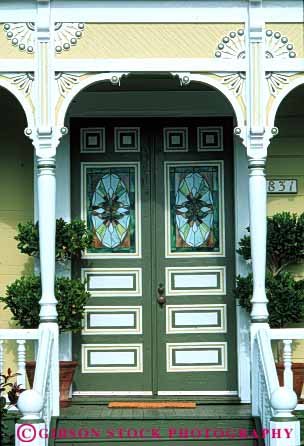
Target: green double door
[{"x": 158, "y": 196}]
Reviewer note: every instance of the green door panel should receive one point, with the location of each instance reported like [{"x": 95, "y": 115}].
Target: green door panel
[{"x": 158, "y": 195}]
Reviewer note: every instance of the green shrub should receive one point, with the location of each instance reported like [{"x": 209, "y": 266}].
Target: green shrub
[
  {"x": 285, "y": 297},
  {"x": 285, "y": 241},
  {"x": 71, "y": 239},
  {"x": 23, "y": 296},
  {"x": 285, "y": 246}
]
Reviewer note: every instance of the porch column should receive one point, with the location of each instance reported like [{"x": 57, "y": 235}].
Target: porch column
[
  {"x": 46, "y": 191},
  {"x": 257, "y": 153},
  {"x": 258, "y": 226}
]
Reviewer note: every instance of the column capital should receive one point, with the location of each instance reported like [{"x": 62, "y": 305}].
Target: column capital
[
  {"x": 45, "y": 140},
  {"x": 258, "y": 140}
]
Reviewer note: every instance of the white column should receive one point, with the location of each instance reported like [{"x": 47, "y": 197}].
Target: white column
[
  {"x": 258, "y": 226},
  {"x": 46, "y": 191},
  {"x": 257, "y": 152}
]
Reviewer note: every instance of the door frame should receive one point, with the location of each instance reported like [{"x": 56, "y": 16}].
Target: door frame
[{"x": 201, "y": 108}]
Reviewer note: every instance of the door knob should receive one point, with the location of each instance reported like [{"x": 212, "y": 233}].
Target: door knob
[{"x": 161, "y": 298}]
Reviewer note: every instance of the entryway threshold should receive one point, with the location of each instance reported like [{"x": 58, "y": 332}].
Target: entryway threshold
[{"x": 152, "y": 404}]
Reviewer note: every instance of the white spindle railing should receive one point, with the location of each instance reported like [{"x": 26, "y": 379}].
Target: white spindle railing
[
  {"x": 39, "y": 404},
  {"x": 44, "y": 377},
  {"x": 21, "y": 337},
  {"x": 264, "y": 378},
  {"x": 272, "y": 403}
]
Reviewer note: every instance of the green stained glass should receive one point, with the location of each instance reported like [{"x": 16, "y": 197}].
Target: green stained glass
[
  {"x": 111, "y": 208},
  {"x": 194, "y": 207}
]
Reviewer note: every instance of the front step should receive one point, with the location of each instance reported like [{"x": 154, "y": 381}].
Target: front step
[{"x": 98, "y": 425}]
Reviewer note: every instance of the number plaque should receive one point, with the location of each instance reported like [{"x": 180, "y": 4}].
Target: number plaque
[{"x": 275, "y": 186}]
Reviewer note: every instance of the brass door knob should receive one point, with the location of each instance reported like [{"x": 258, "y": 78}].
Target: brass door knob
[{"x": 161, "y": 298}]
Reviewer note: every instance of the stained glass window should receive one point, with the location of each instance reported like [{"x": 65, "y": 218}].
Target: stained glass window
[
  {"x": 194, "y": 208},
  {"x": 111, "y": 209}
]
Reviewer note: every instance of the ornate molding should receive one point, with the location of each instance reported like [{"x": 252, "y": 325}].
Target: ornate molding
[
  {"x": 22, "y": 35},
  {"x": 66, "y": 81},
  {"x": 233, "y": 46},
  {"x": 67, "y": 35},
  {"x": 23, "y": 81}
]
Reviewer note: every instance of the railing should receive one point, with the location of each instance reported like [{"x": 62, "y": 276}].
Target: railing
[
  {"x": 21, "y": 337},
  {"x": 39, "y": 404},
  {"x": 45, "y": 382},
  {"x": 287, "y": 336},
  {"x": 42, "y": 402},
  {"x": 270, "y": 402}
]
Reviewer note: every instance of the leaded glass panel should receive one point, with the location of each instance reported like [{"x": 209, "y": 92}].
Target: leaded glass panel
[
  {"x": 194, "y": 208},
  {"x": 111, "y": 208}
]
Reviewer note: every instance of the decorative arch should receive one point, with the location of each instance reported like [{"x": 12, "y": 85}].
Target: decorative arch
[
  {"x": 115, "y": 77},
  {"x": 29, "y": 114},
  {"x": 280, "y": 97}
]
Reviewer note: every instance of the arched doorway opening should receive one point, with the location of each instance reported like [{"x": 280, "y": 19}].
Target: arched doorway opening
[{"x": 152, "y": 173}]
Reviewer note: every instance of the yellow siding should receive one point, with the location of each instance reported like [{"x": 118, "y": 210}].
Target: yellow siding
[
  {"x": 144, "y": 40},
  {"x": 8, "y": 51},
  {"x": 16, "y": 201}
]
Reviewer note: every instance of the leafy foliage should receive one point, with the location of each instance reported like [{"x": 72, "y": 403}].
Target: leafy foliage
[
  {"x": 285, "y": 246},
  {"x": 71, "y": 239},
  {"x": 22, "y": 298},
  {"x": 285, "y": 241},
  {"x": 285, "y": 297},
  {"x": 13, "y": 391}
]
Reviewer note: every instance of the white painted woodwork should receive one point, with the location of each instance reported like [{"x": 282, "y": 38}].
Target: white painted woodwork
[
  {"x": 287, "y": 333},
  {"x": 291, "y": 429},
  {"x": 107, "y": 282},
  {"x": 112, "y": 358},
  {"x": 112, "y": 393},
  {"x": 195, "y": 280},
  {"x": 198, "y": 392},
  {"x": 21, "y": 355},
  {"x": 20, "y": 336},
  {"x": 287, "y": 359},
  {"x": 195, "y": 318},
  {"x": 257, "y": 204},
  {"x": 19, "y": 333},
  {"x": 152, "y": 11},
  {"x": 112, "y": 320},
  {"x": 196, "y": 357},
  {"x": 46, "y": 185},
  {"x": 264, "y": 376}
]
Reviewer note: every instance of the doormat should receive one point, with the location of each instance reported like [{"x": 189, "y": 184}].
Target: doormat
[{"x": 152, "y": 405}]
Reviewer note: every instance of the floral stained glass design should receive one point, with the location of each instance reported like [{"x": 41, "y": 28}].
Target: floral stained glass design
[
  {"x": 111, "y": 208},
  {"x": 194, "y": 207}
]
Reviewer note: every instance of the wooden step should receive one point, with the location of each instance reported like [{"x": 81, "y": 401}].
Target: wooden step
[{"x": 105, "y": 426}]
